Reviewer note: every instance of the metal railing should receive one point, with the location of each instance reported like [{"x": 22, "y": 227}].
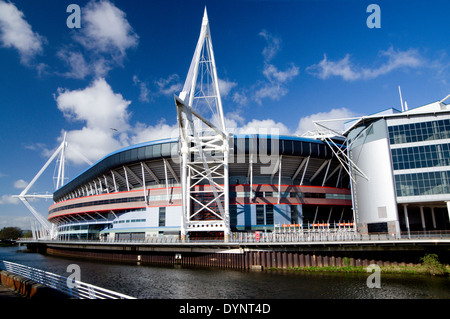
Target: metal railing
[
  {"x": 72, "y": 288},
  {"x": 280, "y": 236},
  {"x": 332, "y": 235},
  {"x": 296, "y": 236}
]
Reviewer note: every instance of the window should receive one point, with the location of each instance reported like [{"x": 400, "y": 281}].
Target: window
[
  {"x": 428, "y": 183},
  {"x": 264, "y": 214},
  {"x": 99, "y": 202},
  {"x": 419, "y": 132},
  {"x": 242, "y": 194},
  {"x": 294, "y": 214},
  {"x": 269, "y": 214},
  {"x": 233, "y": 215},
  {"x": 162, "y": 217},
  {"x": 259, "y": 214},
  {"x": 421, "y": 156}
]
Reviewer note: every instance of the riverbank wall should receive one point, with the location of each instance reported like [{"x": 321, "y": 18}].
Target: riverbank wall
[{"x": 249, "y": 256}]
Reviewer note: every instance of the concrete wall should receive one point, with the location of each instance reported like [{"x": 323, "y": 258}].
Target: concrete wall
[{"x": 374, "y": 196}]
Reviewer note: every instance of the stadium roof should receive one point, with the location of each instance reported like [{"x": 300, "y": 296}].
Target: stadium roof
[{"x": 166, "y": 148}]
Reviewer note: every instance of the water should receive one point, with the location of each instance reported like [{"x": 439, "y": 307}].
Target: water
[{"x": 152, "y": 282}]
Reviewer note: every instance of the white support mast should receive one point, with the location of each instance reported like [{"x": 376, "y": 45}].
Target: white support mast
[
  {"x": 48, "y": 229},
  {"x": 204, "y": 144}
]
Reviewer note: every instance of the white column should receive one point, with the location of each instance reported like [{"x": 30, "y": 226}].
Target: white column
[
  {"x": 433, "y": 217},
  {"x": 226, "y": 193},
  {"x": 448, "y": 208},
  {"x": 279, "y": 179},
  {"x": 405, "y": 211},
  {"x": 184, "y": 185},
  {"x": 126, "y": 178},
  {"x": 143, "y": 184},
  {"x": 422, "y": 217},
  {"x": 251, "y": 176},
  {"x": 167, "y": 182}
]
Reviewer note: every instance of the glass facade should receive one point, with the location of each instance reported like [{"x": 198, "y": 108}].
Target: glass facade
[
  {"x": 264, "y": 219},
  {"x": 421, "y": 156},
  {"x": 269, "y": 214},
  {"x": 259, "y": 214},
  {"x": 162, "y": 217},
  {"x": 429, "y": 183},
  {"x": 419, "y": 132}
]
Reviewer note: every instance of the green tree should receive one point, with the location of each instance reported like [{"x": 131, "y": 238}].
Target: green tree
[
  {"x": 432, "y": 264},
  {"x": 27, "y": 234},
  {"x": 10, "y": 233}
]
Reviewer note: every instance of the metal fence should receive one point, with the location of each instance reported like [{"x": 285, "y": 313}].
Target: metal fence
[
  {"x": 295, "y": 236},
  {"x": 74, "y": 289},
  {"x": 331, "y": 235},
  {"x": 281, "y": 236}
]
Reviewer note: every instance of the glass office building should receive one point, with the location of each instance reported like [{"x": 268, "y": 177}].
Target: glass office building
[{"x": 406, "y": 159}]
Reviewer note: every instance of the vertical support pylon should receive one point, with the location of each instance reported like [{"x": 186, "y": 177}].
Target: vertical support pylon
[
  {"x": 49, "y": 230},
  {"x": 204, "y": 144},
  {"x": 62, "y": 164}
]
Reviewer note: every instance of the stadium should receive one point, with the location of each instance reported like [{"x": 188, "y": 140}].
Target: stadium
[
  {"x": 207, "y": 183},
  {"x": 210, "y": 183},
  {"x": 135, "y": 192}
]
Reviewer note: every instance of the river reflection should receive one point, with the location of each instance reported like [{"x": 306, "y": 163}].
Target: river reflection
[{"x": 150, "y": 282}]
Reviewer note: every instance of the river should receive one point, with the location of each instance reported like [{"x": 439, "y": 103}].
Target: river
[{"x": 153, "y": 282}]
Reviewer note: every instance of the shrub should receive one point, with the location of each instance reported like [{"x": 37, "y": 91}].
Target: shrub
[
  {"x": 432, "y": 265},
  {"x": 346, "y": 261}
]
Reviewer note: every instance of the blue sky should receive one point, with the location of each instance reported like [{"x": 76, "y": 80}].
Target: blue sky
[{"x": 280, "y": 64}]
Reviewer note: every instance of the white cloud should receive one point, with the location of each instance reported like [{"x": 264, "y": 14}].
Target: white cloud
[
  {"x": 349, "y": 71},
  {"x": 170, "y": 85},
  {"x": 306, "y": 124},
  {"x": 274, "y": 86},
  {"x": 272, "y": 73},
  {"x": 106, "y": 29},
  {"x": 162, "y": 130},
  {"x": 92, "y": 143},
  {"x": 14, "y": 221},
  {"x": 104, "y": 114},
  {"x": 396, "y": 59},
  {"x": 269, "y": 90},
  {"x": 267, "y": 126},
  {"x": 101, "y": 43},
  {"x": 233, "y": 120},
  {"x": 97, "y": 105},
  {"x": 20, "y": 184},
  {"x": 106, "y": 122},
  {"x": 225, "y": 87},
  {"x": 273, "y": 45},
  {"x": 8, "y": 200},
  {"x": 16, "y": 32},
  {"x": 325, "y": 69},
  {"x": 79, "y": 68},
  {"x": 144, "y": 91},
  {"x": 240, "y": 97}
]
